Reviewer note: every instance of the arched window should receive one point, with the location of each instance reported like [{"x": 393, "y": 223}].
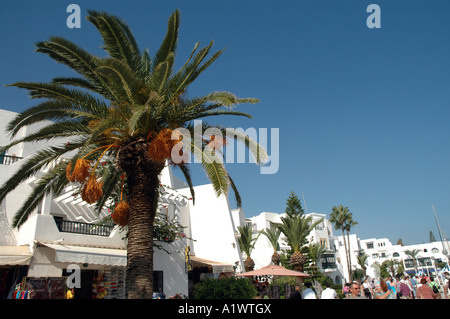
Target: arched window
[
  {"x": 395, "y": 255},
  {"x": 434, "y": 250}
]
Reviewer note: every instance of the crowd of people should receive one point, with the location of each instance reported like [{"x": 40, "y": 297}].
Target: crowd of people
[{"x": 400, "y": 287}]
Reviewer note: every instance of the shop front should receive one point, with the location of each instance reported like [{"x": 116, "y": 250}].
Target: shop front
[
  {"x": 14, "y": 262},
  {"x": 92, "y": 272}
]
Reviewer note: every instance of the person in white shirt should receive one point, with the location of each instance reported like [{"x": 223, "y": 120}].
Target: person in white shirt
[
  {"x": 308, "y": 293},
  {"x": 329, "y": 293}
]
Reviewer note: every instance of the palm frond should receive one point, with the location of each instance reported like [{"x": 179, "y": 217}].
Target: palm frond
[
  {"x": 111, "y": 186},
  {"x": 78, "y": 59},
  {"x": 118, "y": 39},
  {"x": 187, "y": 175},
  {"x": 120, "y": 78},
  {"x": 237, "y": 196},
  {"x": 246, "y": 239},
  {"x": 272, "y": 235},
  {"x": 55, "y": 179},
  {"x": 296, "y": 228},
  {"x": 258, "y": 152},
  {"x": 186, "y": 75},
  {"x": 36, "y": 163},
  {"x": 169, "y": 43},
  {"x": 63, "y": 104},
  {"x": 52, "y": 131}
]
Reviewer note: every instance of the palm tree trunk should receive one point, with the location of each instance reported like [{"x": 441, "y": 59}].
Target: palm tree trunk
[
  {"x": 346, "y": 256},
  {"x": 276, "y": 258},
  {"x": 349, "y": 256},
  {"x": 249, "y": 264},
  {"x": 142, "y": 180}
]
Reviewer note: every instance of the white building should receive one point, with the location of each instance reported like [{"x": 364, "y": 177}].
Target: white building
[{"x": 380, "y": 250}]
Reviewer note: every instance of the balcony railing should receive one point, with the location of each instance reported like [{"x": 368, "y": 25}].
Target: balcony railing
[
  {"x": 67, "y": 226},
  {"x": 8, "y": 159}
]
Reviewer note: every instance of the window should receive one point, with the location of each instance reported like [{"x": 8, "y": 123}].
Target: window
[
  {"x": 434, "y": 250},
  {"x": 320, "y": 227},
  {"x": 424, "y": 262},
  {"x": 328, "y": 261},
  {"x": 409, "y": 263},
  {"x": 374, "y": 255},
  {"x": 370, "y": 245},
  {"x": 395, "y": 255}
]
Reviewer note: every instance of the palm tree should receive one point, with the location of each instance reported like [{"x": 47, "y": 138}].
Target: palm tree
[
  {"x": 362, "y": 260},
  {"x": 247, "y": 244},
  {"x": 316, "y": 251},
  {"x": 413, "y": 254},
  {"x": 296, "y": 228},
  {"x": 338, "y": 217},
  {"x": 126, "y": 107},
  {"x": 391, "y": 264},
  {"x": 273, "y": 235}
]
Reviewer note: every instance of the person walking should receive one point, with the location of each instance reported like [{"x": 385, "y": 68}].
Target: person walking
[
  {"x": 328, "y": 293},
  {"x": 412, "y": 285},
  {"x": 296, "y": 293},
  {"x": 424, "y": 291},
  {"x": 403, "y": 291},
  {"x": 446, "y": 284},
  {"x": 345, "y": 290},
  {"x": 392, "y": 287},
  {"x": 308, "y": 293},
  {"x": 367, "y": 288},
  {"x": 434, "y": 286}
]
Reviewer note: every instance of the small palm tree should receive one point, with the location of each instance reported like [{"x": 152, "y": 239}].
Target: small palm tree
[
  {"x": 413, "y": 254},
  {"x": 316, "y": 250},
  {"x": 247, "y": 244},
  {"x": 362, "y": 260},
  {"x": 273, "y": 235},
  {"x": 126, "y": 107},
  {"x": 296, "y": 228},
  {"x": 392, "y": 265}
]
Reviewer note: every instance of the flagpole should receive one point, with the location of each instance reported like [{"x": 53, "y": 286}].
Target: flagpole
[{"x": 439, "y": 228}]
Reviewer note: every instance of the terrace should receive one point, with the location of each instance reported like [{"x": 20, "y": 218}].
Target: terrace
[{"x": 8, "y": 159}]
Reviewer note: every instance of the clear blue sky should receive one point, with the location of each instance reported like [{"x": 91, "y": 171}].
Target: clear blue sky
[{"x": 363, "y": 114}]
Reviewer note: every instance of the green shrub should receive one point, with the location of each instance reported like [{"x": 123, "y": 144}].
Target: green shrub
[
  {"x": 226, "y": 288},
  {"x": 281, "y": 281}
]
